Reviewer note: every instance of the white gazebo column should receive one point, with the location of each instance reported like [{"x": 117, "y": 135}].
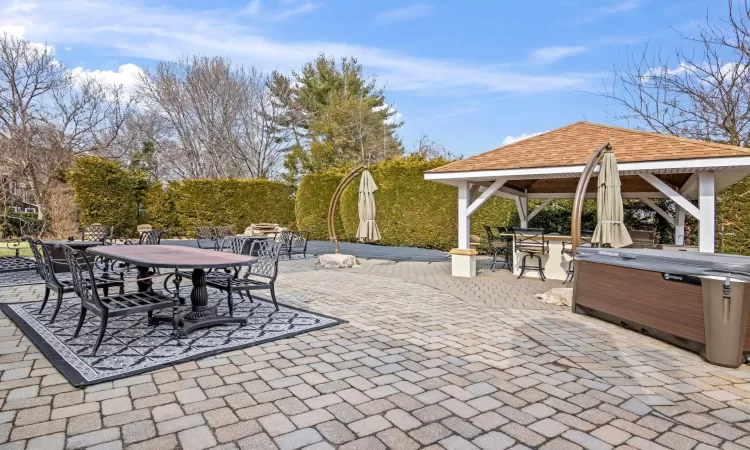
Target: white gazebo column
[
  {"x": 679, "y": 226},
  {"x": 463, "y": 258},
  {"x": 707, "y": 206}
]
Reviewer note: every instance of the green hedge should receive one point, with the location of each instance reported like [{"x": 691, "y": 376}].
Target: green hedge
[
  {"x": 311, "y": 203},
  {"x": 414, "y": 212},
  {"x": 106, "y": 192},
  {"x": 190, "y": 203},
  {"x": 733, "y": 219}
]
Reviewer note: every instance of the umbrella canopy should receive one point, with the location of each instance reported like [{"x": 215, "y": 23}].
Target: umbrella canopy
[
  {"x": 368, "y": 229},
  {"x": 610, "y": 228}
]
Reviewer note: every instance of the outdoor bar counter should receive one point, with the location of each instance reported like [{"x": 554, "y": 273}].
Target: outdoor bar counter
[
  {"x": 698, "y": 301},
  {"x": 555, "y": 263}
]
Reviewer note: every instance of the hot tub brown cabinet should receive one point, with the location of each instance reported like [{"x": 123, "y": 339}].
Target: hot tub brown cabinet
[{"x": 698, "y": 301}]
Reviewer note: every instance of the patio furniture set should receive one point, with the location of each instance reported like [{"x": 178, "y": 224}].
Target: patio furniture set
[
  {"x": 509, "y": 243},
  {"x": 98, "y": 262}
]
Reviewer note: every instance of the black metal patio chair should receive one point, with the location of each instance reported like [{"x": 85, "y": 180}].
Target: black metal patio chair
[
  {"x": 500, "y": 246},
  {"x": 239, "y": 245},
  {"x": 85, "y": 286},
  {"x": 293, "y": 242},
  {"x": 206, "y": 234},
  {"x": 531, "y": 242},
  {"x": 97, "y": 232},
  {"x": 259, "y": 275},
  {"x": 53, "y": 282},
  {"x": 15, "y": 262}
]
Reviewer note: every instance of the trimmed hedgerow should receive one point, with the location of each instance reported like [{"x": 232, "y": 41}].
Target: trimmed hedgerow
[
  {"x": 414, "y": 212},
  {"x": 106, "y": 192},
  {"x": 235, "y": 202},
  {"x": 733, "y": 219},
  {"x": 311, "y": 203}
]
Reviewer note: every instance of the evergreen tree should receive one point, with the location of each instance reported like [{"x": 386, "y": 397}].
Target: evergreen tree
[{"x": 338, "y": 116}]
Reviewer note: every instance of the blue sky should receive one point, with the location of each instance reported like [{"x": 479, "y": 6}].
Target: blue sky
[{"x": 470, "y": 74}]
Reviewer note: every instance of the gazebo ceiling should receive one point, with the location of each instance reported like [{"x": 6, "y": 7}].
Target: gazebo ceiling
[{"x": 630, "y": 183}]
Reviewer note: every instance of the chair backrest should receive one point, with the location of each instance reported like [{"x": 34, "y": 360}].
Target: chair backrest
[
  {"x": 267, "y": 264},
  {"x": 223, "y": 231},
  {"x": 239, "y": 245},
  {"x": 82, "y": 275},
  {"x": 151, "y": 237},
  {"x": 43, "y": 260},
  {"x": 490, "y": 235},
  {"x": 283, "y": 237},
  {"x": 205, "y": 233},
  {"x": 96, "y": 232},
  {"x": 528, "y": 237}
]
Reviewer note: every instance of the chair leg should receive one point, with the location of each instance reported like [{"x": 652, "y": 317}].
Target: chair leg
[
  {"x": 57, "y": 307},
  {"x": 105, "y": 290},
  {"x": 102, "y": 328},
  {"x": 523, "y": 266},
  {"x": 46, "y": 297},
  {"x": 273, "y": 297},
  {"x": 541, "y": 268},
  {"x": 231, "y": 302},
  {"x": 80, "y": 321},
  {"x": 494, "y": 260}
]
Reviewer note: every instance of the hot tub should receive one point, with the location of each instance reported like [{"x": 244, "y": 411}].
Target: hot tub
[{"x": 698, "y": 301}]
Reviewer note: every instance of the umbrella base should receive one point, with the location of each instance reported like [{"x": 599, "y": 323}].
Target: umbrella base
[{"x": 337, "y": 261}]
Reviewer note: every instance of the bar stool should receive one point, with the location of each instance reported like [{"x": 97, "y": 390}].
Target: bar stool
[
  {"x": 531, "y": 242},
  {"x": 567, "y": 249},
  {"x": 500, "y": 245}
]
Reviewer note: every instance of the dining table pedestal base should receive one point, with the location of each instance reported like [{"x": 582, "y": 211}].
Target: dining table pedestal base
[{"x": 202, "y": 315}]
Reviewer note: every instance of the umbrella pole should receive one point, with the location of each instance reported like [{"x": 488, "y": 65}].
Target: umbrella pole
[
  {"x": 580, "y": 196},
  {"x": 334, "y": 202}
]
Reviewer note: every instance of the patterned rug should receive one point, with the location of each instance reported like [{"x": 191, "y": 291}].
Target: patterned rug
[
  {"x": 19, "y": 278},
  {"x": 131, "y": 346}
]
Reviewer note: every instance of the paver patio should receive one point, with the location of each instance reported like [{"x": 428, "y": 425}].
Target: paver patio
[{"x": 425, "y": 360}]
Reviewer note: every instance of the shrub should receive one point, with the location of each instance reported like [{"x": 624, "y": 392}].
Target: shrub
[
  {"x": 311, "y": 203},
  {"x": 190, "y": 203},
  {"x": 733, "y": 219},
  {"x": 106, "y": 192},
  {"x": 412, "y": 211}
]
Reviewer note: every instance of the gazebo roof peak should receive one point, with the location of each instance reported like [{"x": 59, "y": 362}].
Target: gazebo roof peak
[{"x": 572, "y": 145}]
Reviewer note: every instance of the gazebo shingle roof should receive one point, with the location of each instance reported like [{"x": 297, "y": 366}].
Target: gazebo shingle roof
[{"x": 573, "y": 144}]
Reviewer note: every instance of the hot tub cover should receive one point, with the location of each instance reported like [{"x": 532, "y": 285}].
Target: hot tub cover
[{"x": 685, "y": 263}]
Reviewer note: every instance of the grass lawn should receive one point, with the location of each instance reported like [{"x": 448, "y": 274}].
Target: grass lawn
[{"x": 5, "y": 251}]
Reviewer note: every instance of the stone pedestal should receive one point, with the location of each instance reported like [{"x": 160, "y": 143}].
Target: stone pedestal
[{"x": 464, "y": 262}]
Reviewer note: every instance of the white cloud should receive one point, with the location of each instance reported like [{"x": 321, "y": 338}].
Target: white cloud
[
  {"x": 16, "y": 31},
  {"x": 606, "y": 11},
  {"x": 511, "y": 139},
  {"x": 129, "y": 28},
  {"x": 127, "y": 75},
  {"x": 256, "y": 10},
  {"x": 548, "y": 55},
  {"x": 406, "y": 13}
]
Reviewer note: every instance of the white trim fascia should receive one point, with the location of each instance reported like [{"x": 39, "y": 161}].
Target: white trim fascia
[
  {"x": 647, "y": 166},
  {"x": 569, "y": 195}
]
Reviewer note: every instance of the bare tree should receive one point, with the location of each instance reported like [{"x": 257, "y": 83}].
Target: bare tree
[
  {"x": 702, "y": 93},
  {"x": 430, "y": 149},
  {"x": 48, "y": 116},
  {"x": 222, "y": 119}
]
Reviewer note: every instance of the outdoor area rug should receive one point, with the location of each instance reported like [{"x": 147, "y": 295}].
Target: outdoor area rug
[
  {"x": 19, "y": 278},
  {"x": 131, "y": 346}
]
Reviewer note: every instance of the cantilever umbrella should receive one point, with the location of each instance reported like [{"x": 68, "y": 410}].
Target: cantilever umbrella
[
  {"x": 368, "y": 229},
  {"x": 610, "y": 228}
]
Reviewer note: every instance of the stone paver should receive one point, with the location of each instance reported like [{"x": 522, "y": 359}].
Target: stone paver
[{"x": 425, "y": 360}]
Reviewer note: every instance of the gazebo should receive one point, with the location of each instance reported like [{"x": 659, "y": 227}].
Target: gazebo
[{"x": 548, "y": 166}]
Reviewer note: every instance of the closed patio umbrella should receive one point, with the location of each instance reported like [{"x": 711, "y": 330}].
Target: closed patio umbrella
[
  {"x": 610, "y": 228},
  {"x": 368, "y": 229}
]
